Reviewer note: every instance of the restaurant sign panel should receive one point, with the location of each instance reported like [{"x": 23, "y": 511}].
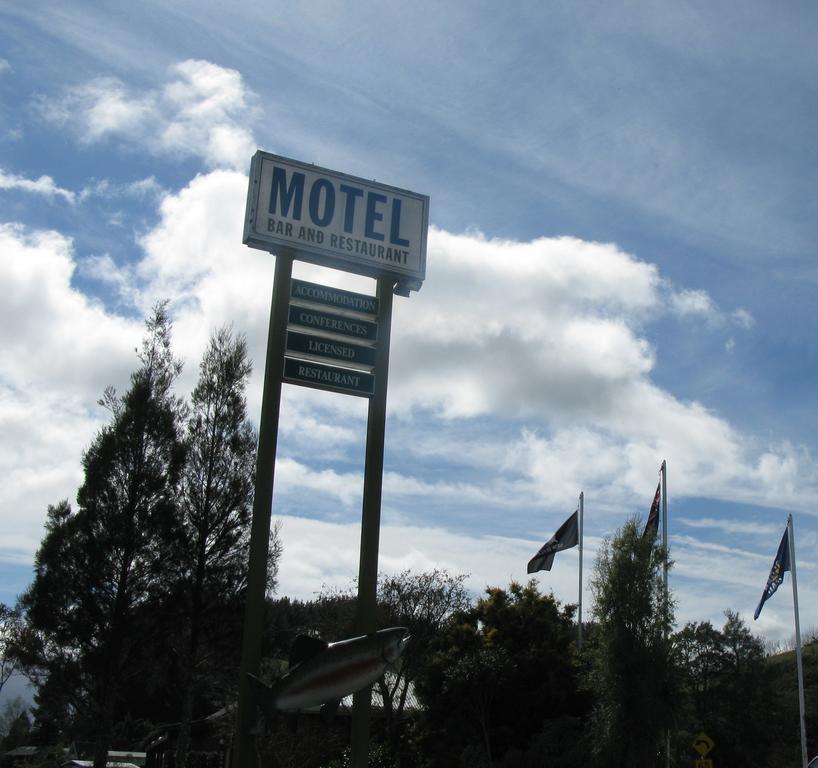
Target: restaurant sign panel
[{"x": 345, "y": 380}]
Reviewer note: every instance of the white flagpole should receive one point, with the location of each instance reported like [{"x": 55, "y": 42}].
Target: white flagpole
[
  {"x": 798, "y": 645},
  {"x": 579, "y": 610},
  {"x": 663, "y": 470}
]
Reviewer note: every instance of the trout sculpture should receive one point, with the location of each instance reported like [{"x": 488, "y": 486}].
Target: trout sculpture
[{"x": 323, "y": 673}]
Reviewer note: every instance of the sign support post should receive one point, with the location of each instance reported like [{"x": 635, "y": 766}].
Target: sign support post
[
  {"x": 244, "y": 749},
  {"x": 301, "y": 211},
  {"x": 371, "y": 517}
]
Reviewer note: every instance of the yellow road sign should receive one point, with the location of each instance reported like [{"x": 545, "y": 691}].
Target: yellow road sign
[
  {"x": 704, "y": 763},
  {"x": 703, "y": 744}
]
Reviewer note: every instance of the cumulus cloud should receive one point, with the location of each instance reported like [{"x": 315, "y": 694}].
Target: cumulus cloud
[
  {"x": 52, "y": 336},
  {"x": 697, "y": 303},
  {"x": 541, "y": 328},
  {"x": 694, "y": 302},
  {"x": 547, "y": 332},
  {"x": 58, "y": 351},
  {"x": 523, "y": 364},
  {"x": 44, "y": 185},
  {"x": 319, "y": 554},
  {"x": 202, "y": 111},
  {"x": 5, "y": 66},
  {"x": 322, "y": 553}
]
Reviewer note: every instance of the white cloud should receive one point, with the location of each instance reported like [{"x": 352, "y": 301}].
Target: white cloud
[
  {"x": 210, "y": 106},
  {"x": 699, "y": 303},
  {"x": 47, "y": 187},
  {"x": 203, "y": 111},
  {"x": 44, "y": 186},
  {"x": 318, "y": 554},
  {"x": 58, "y": 351},
  {"x": 730, "y": 526},
  {"x": 742, "y": 318},
  {"x": 546, "y": 331},
  {"x": 545, "y": 336},
  {"x": 544, "y": 328},
  {"x": 141, "y": 188},
  {"x": 52, "y": 337},
  {"x": 693, "y": 302},
  {"x": 43, "y": 438},
  {"x": 5, "y": 66}
]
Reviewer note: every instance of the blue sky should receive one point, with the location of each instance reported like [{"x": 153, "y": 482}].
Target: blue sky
[{"x": 621, "y": 268}]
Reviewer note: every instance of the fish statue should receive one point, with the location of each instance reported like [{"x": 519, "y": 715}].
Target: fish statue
[{"x": 321, "y": 673}]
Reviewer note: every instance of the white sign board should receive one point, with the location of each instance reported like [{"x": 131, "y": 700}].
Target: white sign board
[{"x": 337, "y": 220}]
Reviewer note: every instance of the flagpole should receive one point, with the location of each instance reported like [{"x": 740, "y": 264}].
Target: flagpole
[
  {"x": 801, "y": 707},
  {"x": 579, "y": 611},
  {"x": 663, "y": 470}
]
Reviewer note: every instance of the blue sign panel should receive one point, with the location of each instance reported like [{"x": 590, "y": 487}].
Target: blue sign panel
[
  {"x": 321, "y": 346},
  {"x": 333, "y": 297},
  {"x": 329, "y": 377},
  {"x": 331, "y": 323}
]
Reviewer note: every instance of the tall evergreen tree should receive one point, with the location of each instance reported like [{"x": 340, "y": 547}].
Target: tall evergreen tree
[
  {"x": 216, "y": 506},
  {"x": 97, "y": 567},
  {"x": 631, "y": 667}
]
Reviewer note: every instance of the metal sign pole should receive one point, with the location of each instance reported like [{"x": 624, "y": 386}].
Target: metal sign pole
[
  {"x": 799, "y": 663},
  {"x": 371, "y": 517},
  {"x": 579, "y": 610},
  {"x": 244, "y": 751}
]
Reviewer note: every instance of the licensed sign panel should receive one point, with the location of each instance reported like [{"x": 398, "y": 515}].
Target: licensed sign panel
[
  {"x": 337, "y": 220},
  {"x": 364, "y": 330},
  {"x": 328, "y": 377},
  {"x": 332, "y": 349},
  {"x": 333, "y": 297}
]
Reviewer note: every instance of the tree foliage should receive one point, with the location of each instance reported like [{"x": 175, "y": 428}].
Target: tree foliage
[
  {"x": 9, "y": 630},
  {"x": 631, "y": 671},
  {"x": 135, "y": 609},
  {"x": 216, "y": 496},
  {"x": 728, "y": 693},
  {"x": 421, "y": 602},
  {"x": 499, "y": 672},
  {"x": 98, "y": 567}
]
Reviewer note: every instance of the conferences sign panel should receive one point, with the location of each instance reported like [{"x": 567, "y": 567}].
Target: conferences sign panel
[{"x": 336, "y": 220}]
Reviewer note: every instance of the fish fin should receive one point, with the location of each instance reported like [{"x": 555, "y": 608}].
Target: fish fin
[
  {"x": 305, "y": 647},
  {"x": 263, "y": 695},
  {"x": 330, "y": 709}
]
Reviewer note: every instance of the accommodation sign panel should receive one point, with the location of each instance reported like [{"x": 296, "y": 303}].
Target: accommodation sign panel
[
  {"x": 337, "y": 220},
  {"x": 333, "y": 297}
]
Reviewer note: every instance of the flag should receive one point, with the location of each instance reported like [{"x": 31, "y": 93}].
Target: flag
[
  {"x": 567, "y": 536},
  {"x": 652, "y": 525},
  {"x": 780, "y": 565}
]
